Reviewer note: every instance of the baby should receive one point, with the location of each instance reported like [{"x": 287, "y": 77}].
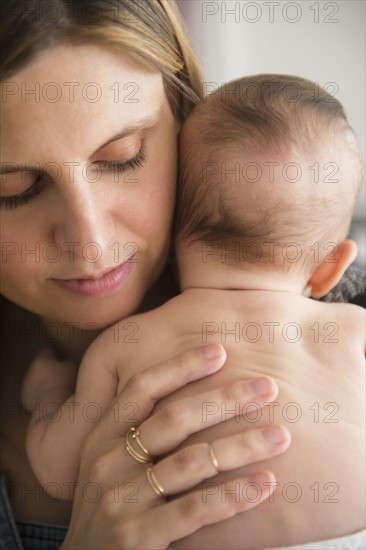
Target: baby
[{"x": 270, "y": 171}]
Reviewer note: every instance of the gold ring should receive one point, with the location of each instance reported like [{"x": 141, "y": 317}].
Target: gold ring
[
  {"x": 155, "y": 485},
  {"x": 133, "y": 434},
  {"x": 215, "y": 462}
]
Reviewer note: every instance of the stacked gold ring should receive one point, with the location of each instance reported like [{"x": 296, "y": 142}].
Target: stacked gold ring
[{"x": 134, "y": 435}]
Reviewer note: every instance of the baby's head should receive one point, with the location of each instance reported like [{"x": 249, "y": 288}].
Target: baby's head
[{"x": 270, "y": 172}]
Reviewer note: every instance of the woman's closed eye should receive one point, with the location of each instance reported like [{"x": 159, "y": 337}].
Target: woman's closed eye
[
  {"x": 10, "y": 202},
  {"x": 133, "y": 163},
  {"x": 14, "y": 201}
]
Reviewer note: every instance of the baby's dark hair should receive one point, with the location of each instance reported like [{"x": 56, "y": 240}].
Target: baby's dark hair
[{"x": 276, "y": 119}]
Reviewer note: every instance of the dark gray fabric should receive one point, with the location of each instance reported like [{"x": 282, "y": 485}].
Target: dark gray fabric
[
  {"x": 21, "y": 535},
  {"x": 351, "y": 288}
]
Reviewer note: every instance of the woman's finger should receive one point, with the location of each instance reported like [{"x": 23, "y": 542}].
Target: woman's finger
[
  {"x": 138, "y": 397},
  {"x": 170, "y": 426},
  {"x": 193, "y": 464},
  {"x": 214, "y": 502}
]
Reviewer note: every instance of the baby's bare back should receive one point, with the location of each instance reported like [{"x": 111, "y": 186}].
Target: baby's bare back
[{"x": 315, "y": 352}]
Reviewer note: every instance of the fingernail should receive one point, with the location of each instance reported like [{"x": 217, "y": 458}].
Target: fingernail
[
  {"x": 212, "y": 352},
  {"x": 275, "y": 434},
  {"x": 262, "y": 386}
]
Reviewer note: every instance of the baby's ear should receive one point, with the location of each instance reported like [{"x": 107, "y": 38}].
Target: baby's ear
[{"x": 331, "y": 269}]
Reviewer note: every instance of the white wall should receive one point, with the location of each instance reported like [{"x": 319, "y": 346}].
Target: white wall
[{"x": 323, "y": 41}]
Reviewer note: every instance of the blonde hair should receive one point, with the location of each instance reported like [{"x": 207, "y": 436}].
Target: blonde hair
[{"x": 151, "y": 30}]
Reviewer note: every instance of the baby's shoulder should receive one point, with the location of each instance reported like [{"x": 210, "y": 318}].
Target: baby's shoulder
[
  {"x": 342, "y": 311},
  {"x": 350, "y": 318}
]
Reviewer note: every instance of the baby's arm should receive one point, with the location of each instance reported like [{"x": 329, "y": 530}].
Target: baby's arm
[
  {"x": 60, "y": 421},
  {"x": 49, "y": 380}
]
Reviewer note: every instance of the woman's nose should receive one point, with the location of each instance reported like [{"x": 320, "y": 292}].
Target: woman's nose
[{"x": 84, "y": 218}]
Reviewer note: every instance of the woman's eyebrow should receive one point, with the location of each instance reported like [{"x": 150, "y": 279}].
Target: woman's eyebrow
[{"x": 130, "y": 129}]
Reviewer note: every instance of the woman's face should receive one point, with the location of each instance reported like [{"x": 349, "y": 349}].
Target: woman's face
[{"x": 68, "y": 216}]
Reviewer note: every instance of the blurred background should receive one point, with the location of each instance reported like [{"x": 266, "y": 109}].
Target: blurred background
[{"x": 323, "y": 41}]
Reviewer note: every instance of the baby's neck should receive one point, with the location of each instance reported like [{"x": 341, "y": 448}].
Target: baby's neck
[{"x": 196, "y": 272}]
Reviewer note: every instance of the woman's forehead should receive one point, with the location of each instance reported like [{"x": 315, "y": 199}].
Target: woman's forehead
[
  {"x": 83, "y": 92},
  {"x": 82, "y": 62}
]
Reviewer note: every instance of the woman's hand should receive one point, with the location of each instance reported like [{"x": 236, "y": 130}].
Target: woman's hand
[{"x": 117, "y": 505}]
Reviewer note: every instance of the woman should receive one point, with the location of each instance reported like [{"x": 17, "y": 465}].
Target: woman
[{"x": 93, "y": 96}]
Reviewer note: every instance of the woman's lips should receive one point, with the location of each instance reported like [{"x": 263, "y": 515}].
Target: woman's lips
[{"x": 95, "y": 287}]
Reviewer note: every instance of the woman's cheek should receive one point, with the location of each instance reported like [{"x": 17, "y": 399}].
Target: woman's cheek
[
  {"x": 17, "y": 257},
  {"x": 20, "y": 274}
]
